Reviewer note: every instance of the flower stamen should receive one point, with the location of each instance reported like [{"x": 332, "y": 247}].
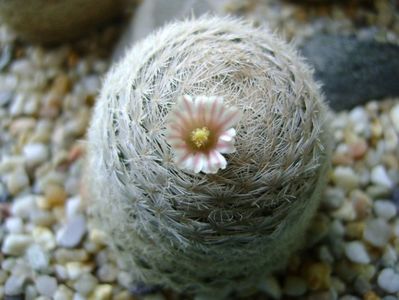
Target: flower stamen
[{"x": 200, "y": 136}]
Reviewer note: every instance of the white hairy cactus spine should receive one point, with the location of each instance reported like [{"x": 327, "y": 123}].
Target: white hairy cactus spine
[{"x": 199, "y": 232}]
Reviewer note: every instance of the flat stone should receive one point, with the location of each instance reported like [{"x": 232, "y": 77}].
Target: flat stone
[
  {"x": 71, "y": 234},
  {"x": 17, "y": 181},
  {"x": 46, "y": 285},
  {"x": 23, "y": 206},
  {"x": 85, "y": 284},
  {"x": 353, "y": 71},
  {"x": 345, "y": 177},
  {"x": 14, "y": 225}
]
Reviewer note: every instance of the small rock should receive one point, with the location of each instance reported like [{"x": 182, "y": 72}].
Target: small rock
[
  {"x": 102, "y": 292},
  {"x": 377, "y": 232},
  {"x": 14, "y": 225},
  {"x": 63, "y": 255},
  {"x": 390, "y": 257},
  {"x": 271, "y": 287},
  {"x": 294, "y": 286},
  {"x": 85, "y": 284},
  {"x": 356, "y": 252},
  {"x": 384, "y": 209},
  {"x": 46, "y": 285},
  {"x": 388, "y": 280},
  {"x": 55, "y": 195},
  {"x": 23, "y": 206},
  {"x": 75, "y": 269},
  {"x": 14, "y": 285},
  {"x": 15, "y": 244},
  {"x": 380, "y": 176},
  {"x": 44, "y": 237},
  {"x": 345, "y": 177},
  {"x": 395, "y": 116},
  {"x": 35, "y": 154},
  {"x": 318, "y": 276},
  {"x": 63, "y": 293},
  {"x": 107, "y": 273},
  {"x": 37, "y": 258},
  {"x": 31, "y": 292},
  {"x": 98, "y": 237},
  {"x": 73, "y": 207},
  {"x": 17, "y": 181},
  {"x": 71, "y": 234},
  {"x": 361, "y": 285}
]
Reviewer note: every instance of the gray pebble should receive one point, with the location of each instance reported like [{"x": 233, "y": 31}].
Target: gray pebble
[
  {"x": 37, "y": 258},
  {"x": 107, "y": 273},
  {"x": 356, "y": 252},
  {"x": 388, "y": 280},
  {"x": 384, "y": 209}
]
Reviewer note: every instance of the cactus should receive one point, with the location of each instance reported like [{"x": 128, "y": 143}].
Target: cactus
[
  {"x": 208, "y": 232},
  {"x": 56, "y": 20}
]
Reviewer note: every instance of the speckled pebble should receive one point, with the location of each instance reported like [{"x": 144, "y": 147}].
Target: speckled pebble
[{"x": 356, "y": 252}]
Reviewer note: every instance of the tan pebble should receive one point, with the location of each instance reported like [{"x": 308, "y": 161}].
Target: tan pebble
[
  {"x": 55, "y": 195},
  {"x": 61, "y": 85},
  {"x": 75, "y": 152},
  {"x": 358, "y": 149},
  {"x": 124, "y": 295},
  {"x": 342, "y": 159},
  {"x": 318, "y": 276},
  {"x": 98, "y": 237},
  {"x": 366, "y": 271},
  {"x": 22, "y": 125},
  {"x": 44, "y": 237},
  {"x": 354, "y": 230},
  {"x": 370, "y": 295},
  {"x": 102, "y": 292},
  {"x": 376, "y": 129},
  {"x": 362, "y": 204}
]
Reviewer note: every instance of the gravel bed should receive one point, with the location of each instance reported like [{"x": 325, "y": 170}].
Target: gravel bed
[{"x": 51, "y": 250}]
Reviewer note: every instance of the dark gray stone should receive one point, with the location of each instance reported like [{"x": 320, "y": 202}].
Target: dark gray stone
[{"x": 353, "y": 71}]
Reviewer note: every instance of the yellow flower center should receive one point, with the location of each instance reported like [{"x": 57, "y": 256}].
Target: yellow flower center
[{"x": 200, "y": 136}]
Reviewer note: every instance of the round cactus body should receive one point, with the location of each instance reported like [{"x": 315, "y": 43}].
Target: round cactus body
[
  {"x": 199, "y": 231},
  {"x": 51, "y": 21}
]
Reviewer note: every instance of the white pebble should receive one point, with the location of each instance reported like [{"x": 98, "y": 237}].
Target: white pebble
[
  {"x": 380, "y": 176},
  {"x": 17, "y": 181},
  {"x": 63, "y": 293},
  {"x": 85, "y": 284},
  {"x": 14, "y": 225},
  {"x": 377, "y": 232},
  {"x": 35, "y": 154},
  {"x": 15, "y": 244},
  {"x": 395, "y": 116},
  {"x": 71, "y": 234},
  {"x": 388, "y": 280},
  {"x": 23, "y": 206},
  {"x": 345, "y": 177},
  {"x": 390, "y": 256},
  {"x": 384, "y": 209},
  {"x": 73, "y": 207},
  {"x": 356, "y": 252},
  {"x": 14, "y": 285},
  {"x": 37, "y": 258},
  {"x": 44, "y": 237},
  {"x": 46, "y": 285}
]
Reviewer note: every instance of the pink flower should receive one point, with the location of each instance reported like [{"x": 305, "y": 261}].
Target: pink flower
[{"x": 199, "y": 130}]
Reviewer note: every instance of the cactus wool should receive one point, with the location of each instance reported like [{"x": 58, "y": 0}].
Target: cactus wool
[{"x": 207, "y": 154}]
